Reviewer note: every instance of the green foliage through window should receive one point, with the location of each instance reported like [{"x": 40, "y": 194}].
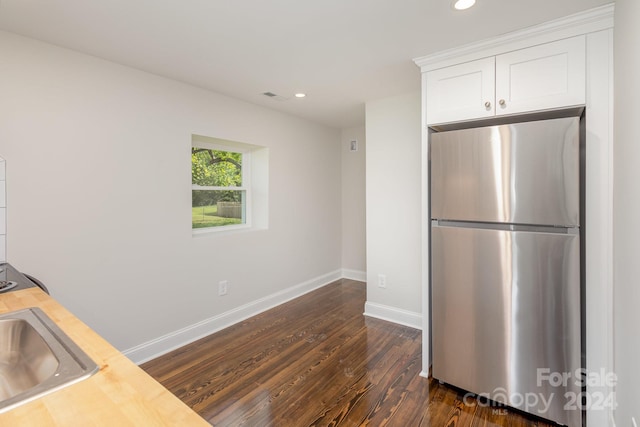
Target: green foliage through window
[
  {"x": 215, "y": 168},
  {"x": 212, "y": 205}
]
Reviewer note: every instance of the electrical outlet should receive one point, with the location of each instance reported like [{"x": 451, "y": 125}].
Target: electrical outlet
[
  {"x": 223, "y": 286},
  {"x": 633, "y": 421},
  {"x": 382, "y": 281}
]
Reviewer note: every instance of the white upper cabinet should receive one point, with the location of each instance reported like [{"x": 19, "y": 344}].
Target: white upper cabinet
[
  {"x": 460, "y": 92},
  {"x": 547, "y": 76},
  {"x": 550, "y": 75}
]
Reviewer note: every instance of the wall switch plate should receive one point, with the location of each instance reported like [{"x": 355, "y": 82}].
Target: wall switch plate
[
  {"x": 353, "y": 145},
  {"x": 223, "y": 286},
  {"x": 382, "y": 281}
]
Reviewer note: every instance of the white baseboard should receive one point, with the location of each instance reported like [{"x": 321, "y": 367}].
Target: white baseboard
[
  {"x": 360, "y": 276},
  {"x": 392, "y": 314},
  {"x": 166, "y": 343}
]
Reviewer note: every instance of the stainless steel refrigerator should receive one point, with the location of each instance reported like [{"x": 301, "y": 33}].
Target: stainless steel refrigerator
[{"x": 505, "y": 248}]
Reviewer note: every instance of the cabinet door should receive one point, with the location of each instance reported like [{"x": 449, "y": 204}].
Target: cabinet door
[
  {"x": 541, "y": 77},
  {"x": 461, "y": 92}
]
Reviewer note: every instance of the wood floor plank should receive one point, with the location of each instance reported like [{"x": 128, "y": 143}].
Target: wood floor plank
[{"x": 317, "y": 361}]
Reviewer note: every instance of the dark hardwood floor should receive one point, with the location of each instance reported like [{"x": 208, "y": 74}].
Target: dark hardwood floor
[{"x": 317, "y": 361}]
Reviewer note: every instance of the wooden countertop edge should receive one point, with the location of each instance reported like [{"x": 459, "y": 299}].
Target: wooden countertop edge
[{"x": 119, "y": 394}]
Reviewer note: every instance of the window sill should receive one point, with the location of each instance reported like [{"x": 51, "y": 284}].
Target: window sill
[{"x": 223, "y": 230}]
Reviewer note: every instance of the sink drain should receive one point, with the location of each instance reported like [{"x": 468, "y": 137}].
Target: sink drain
[{"x": 7, "y": 285}]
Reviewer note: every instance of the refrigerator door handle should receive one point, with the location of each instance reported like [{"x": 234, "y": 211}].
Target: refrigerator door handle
[{"x": 507, "y": 227}]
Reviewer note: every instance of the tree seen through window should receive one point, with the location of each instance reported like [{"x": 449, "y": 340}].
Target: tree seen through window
[{"x": 217, "y": 189}]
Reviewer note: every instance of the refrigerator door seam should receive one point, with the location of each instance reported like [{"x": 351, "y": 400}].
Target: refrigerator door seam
[{"x": 506, "y": 226}]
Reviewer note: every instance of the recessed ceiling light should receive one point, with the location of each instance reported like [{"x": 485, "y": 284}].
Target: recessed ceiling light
[
  {"x": 300, "y": 95},
  {"x": 463, "y": 4}
]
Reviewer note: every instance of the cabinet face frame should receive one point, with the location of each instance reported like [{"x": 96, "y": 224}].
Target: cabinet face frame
[{"x": 597, "y": 25}]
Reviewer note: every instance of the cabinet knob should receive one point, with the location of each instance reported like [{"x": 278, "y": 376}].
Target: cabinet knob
[
  {"x": 487, "y": 105},
  {"x": 502, "y": 102}
]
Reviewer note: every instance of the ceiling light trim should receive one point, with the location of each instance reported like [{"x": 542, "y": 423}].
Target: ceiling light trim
[{"x": 460, "y": 5}]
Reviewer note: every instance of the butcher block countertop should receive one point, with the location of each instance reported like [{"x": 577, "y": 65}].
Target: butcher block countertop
[{"x": 119, "y": 394}]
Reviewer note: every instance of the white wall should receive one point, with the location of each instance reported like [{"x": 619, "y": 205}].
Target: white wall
[
  {"x": 627, "y": 210},
  {"x": 394, "y": 208},
  {"x": 98, "y": 172},
  {"x": 354, "y": 262},
  {"x": 3, "y": 212}
]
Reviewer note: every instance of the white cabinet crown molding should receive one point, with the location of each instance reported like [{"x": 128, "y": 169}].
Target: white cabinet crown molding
[{"x": 589, "y": 21}]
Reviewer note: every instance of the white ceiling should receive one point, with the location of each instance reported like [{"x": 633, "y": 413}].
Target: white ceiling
[{"x": 342, "y": 53}]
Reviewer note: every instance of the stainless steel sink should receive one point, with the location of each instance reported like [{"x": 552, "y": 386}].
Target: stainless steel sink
[{"x": 36, "y": 358}]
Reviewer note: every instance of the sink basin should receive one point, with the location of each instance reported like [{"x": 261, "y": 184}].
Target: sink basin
[{"x": 36, "y": 358}]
